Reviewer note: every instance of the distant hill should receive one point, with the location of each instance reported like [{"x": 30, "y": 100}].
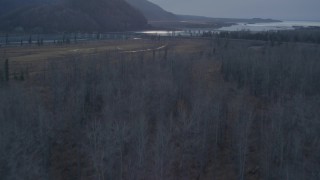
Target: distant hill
[
  {"x": 159, "y": 17},
  {"x": 198, "y": 22},
  {"x": 44, "y": 16},
  {"x": 229, "y": 20},
  {"x": 152, "y": 11}
]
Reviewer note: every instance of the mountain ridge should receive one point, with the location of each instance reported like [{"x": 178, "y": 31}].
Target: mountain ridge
[
  {"x": 158, "y": 17},
  {"x": 152, "y": 11},
  {"x": 45, "y": 16}
]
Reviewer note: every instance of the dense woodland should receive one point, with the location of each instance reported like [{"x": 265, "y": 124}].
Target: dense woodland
[
  {"x": 302, "y": 35},
  {"x": 230, "y": 110}
]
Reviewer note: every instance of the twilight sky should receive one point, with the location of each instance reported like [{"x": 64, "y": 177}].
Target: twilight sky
[{"x": 277, "y": 9}]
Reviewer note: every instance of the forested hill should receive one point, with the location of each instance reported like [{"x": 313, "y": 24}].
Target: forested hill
[
  {"x": 44, "y": 16},
  {"x": 8, "y": 6},
  {"x": 152, "y": 11}
]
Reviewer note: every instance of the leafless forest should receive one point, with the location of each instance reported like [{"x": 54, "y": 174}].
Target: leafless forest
[{"x": 230, "y": 109}]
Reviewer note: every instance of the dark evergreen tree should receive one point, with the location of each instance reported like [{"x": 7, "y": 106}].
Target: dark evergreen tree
[
  {"x": 21, "y": 78},
  {"x": 30, "y": 39},
  {"x": 7, "y": 39},
  {"x": 6, "y": 70}
]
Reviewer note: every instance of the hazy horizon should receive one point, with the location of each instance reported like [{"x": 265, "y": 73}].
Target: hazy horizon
[{"x": 306, "y": 10}]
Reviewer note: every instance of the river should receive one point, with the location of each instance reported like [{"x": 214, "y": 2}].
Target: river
[
  {"x": 275, "y": 26},
  {"x": 257, "y": 27},
  {"x": 50, "y": 38}
]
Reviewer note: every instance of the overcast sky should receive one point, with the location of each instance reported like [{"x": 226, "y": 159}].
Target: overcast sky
[{"x": 277, "y": 9}]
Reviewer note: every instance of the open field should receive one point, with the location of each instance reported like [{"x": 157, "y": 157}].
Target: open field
[
  {"x": 42, "y": 53},
  {"x": 36, "y": 58},
  {"x": 36, "y": 53}
]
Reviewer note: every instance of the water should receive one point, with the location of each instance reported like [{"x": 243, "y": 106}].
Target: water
[
  {"x": 258, "y": 27},
  {"x": 162, "y": 33},
  {"x": 275, "y": 26}
]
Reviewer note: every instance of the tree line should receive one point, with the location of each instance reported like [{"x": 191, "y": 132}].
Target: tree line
[{"x": 303, "y": 35}]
